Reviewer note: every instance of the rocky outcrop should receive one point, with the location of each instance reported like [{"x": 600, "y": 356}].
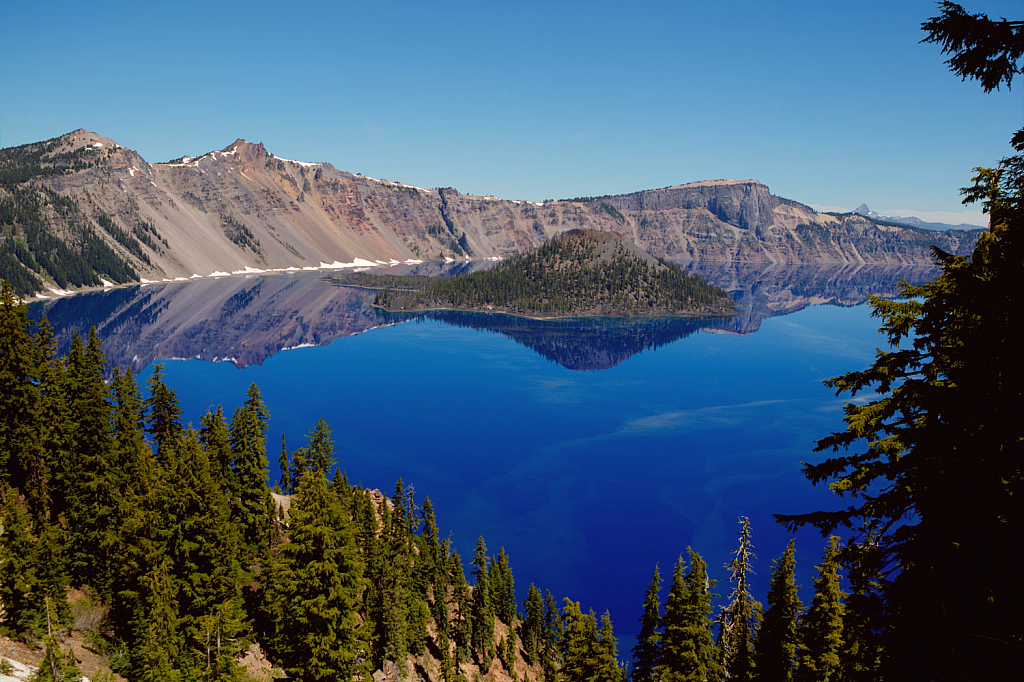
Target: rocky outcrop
[{"x": 243, "y": 209}]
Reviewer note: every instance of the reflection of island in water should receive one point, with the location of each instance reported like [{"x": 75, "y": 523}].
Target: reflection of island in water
[{"x": 246, "y": 320}]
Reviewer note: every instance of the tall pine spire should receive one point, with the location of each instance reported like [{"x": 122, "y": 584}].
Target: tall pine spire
[
  {"x": 647, "y": 652},
  {"x": 821, "y": 630},
  {"x": 775, "y": 646}
]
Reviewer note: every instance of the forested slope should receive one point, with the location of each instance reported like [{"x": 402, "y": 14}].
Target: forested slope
[{"x": 576, "y": 273}]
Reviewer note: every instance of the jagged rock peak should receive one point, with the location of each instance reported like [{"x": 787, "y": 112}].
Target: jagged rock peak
[{"x": 862, "y": 210}]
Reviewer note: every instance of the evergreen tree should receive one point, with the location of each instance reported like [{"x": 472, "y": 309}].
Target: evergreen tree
[
  {"x": 320, "y": 451},
  {"x": 688, "y": 647},
  {"x": 164, "y": 417},
  {"x": 18, "y": 394},
  {"x": 141, "y": 548},
  {"x": 741, "y": 617},
  {"x": 253, "y": 508},
  {"x": 157, "y": 652},
  {"x": 129, "y": 424},
  {"x": 23, "y": 614},
  {"x": 821, "y": 629},
  {"x": 861, "y": 654},
  {"x": 533, "y": 625},
  {"x": 607, "y": 653},
  {"x": 202, "y": 543},
  {"x": 483, "y": 607},
  {"x": 434, "y": 555},
  {"x": 50, "y": 576},
  {"x": 318, "y": 584},
  {"x": 647, "y": 652},
  {"x": 503, "y": 589},
  {"x": 939, "y": 475},
  {"x": 775, "y": 647},
  {"x": 285, "y": 465},
  {"x": 578, "y": 644},
  {"x": 395, "y": 594},
  {"x": 93, "y": 504},
  {"x": 552, "y": 636},
  {"x": 216, "y": 441},
  {"x": 55, "y": 424},
  {"x": 462, "y": 612}
]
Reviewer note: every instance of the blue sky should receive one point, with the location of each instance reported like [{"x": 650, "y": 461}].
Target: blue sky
[{"x": 830, "y": 103}]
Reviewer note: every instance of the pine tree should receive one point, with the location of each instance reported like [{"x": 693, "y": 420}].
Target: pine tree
[
  {"x": 129, "y": 424},
  {"x": 552, "y": 636},
  {"x": 23, "y": 615},
  {"x": 55, "y": 424},
  {"x": 503, "y": 589},
  {"x": 775, "y": 647},
  {"x": 253, "y": 508},
  {"x": 821, "y": 629},
  {"x": 18, "y": 394},
  {"x": 462, "y": 612},
  {"x": 50, "y": 576},
  {"x": 202, "y": 543},
  {"x": 578, "y": 644},
  {"x": 285, "y": 465},
  {"x": 164, "y": 417},
  {"x": 533, "y": 625},
  {"x": 483, "y": 607},
  {"x": 93, "y": 503},
  {"x": 688, "y": 647},
  {"x": 741, "y": 617},
  {"x": 320, "y": 451},
  {"x": 606, "y": 659},
  {"x": 157, "y": 652},
  {"x": 647, "y": 652},
  {"x": 318, "y": 584},
  {"x": 216, "y": 441},
  {"x": 944, "y": 423},
  {"x": 861, "y": 654},
  {"x": 56, "y": 666},
  {"x": 141, "y": 547}
]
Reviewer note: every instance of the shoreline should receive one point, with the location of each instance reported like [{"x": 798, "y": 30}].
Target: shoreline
[
  {"x": 584, "y": 316},
  {"x": 57, "y": 294}
]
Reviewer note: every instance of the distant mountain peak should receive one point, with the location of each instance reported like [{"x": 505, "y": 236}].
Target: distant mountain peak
[{"x": 863, "y": 210}]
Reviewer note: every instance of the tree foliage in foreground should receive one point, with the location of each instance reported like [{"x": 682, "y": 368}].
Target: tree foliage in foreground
[{"x": 938, "y": 485}]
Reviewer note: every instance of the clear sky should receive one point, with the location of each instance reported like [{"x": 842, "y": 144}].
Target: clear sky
[{"x": 830, "y": 103}]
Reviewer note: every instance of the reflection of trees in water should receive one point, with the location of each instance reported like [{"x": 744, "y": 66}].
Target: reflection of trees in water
[
  {"x": 763, "y": 291},
  {"x": 582, "y": 343},
  {"x": 249, "y": 319}
]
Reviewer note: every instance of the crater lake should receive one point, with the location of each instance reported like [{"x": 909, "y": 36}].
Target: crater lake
[{"x": 590, "y": 450}]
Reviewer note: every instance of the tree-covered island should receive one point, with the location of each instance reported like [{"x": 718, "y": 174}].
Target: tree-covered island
[{"x": 579, "y": 273}]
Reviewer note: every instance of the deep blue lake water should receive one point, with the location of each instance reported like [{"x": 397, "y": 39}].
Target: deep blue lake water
[{"x": 589, "y": 477}]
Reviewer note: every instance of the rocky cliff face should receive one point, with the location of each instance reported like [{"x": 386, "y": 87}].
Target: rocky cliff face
[{"x": 243, "y": 209}]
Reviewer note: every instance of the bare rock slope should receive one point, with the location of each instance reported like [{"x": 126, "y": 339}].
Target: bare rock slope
[{"x": 242, "y": 208}]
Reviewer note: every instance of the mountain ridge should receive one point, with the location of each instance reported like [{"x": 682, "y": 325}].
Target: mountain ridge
[{"x": 243, "y": 209}]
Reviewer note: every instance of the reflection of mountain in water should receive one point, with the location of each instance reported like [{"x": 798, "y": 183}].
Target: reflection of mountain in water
[
  {"x": 240, "y": 320},
  {"x": 246, "y": 320},
  {"x": 765, "y": 291},
  {"x": 584, "y": 343}
]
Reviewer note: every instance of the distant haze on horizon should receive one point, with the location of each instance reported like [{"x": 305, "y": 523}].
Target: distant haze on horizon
[{"x": 831, "y": 104}]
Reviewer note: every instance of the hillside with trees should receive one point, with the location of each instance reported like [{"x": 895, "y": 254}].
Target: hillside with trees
[
  {"x": 578, "y": 273},
  {"x": 164, "y": 549},
  {"x": 173, "y": 539}
]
